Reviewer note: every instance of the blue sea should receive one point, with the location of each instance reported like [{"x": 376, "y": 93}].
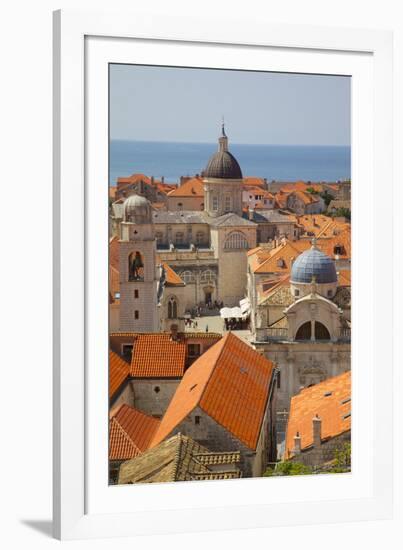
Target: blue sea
[{"x": 274, "y": 162}]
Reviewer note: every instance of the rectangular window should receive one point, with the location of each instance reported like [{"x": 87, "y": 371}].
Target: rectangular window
[
  {"x": 194, "y": 350},
  {"x": 227, "y": 203},
  {"x": 127, "y": 350},
  {"x": 278, "y": 380},
  {"x": 136, "y": 314},
  {"x": 136, "y": 293},
  {"x": 215, "y": 203},
  {"x": 197, "y": 419},
  {"x": 179, "y": 238}
]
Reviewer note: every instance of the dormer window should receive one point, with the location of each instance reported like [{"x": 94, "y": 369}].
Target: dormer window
[
  {"x": 338, "y": 250},
  {"x": 280, "y": 262}
]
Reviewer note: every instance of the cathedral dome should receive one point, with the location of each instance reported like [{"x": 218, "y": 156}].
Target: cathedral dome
[
  {"x": 222, "y": 164},
  {"x": 313, "y": 264},
  {"x": 137, "y": 209}
]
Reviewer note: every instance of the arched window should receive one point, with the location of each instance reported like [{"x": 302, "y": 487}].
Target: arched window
[
  {"x": 235, "y": 241},
  {"x": 227, "y": 203},
  {"x": 172, "y": 308},
  {"x": 187, "y": 277},
  {"x": 207, "y": 277},
  {"x": 321, "y": 332},
  {"x": 180, "y": 206},
  {"x": 136, "y": 266},
  {"x": 215, "y": 203},
  {"x": 304, "y": 332},
  {"x": 159, "y": 237}
]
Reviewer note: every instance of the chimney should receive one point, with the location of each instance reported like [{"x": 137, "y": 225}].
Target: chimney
[
  {"x": 297, "y": 444},
  {"x": 174, "y": 332},
  {"x": 317, "y": 431},
  {"x": 152, "y": 180}
]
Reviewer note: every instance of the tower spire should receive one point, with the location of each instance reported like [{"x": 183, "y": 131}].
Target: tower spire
[
  {"x": 223, "y": 139},
  {"x": 223, "y": 127}
]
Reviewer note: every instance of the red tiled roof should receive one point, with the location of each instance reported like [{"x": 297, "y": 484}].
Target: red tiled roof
[
  {"x": 250, "y": 180},
  {"x": 118, "y": 372},
  {"x": 157, "y": 355},
  {"x": 230, "y": 382},
  {"x": 330, "y": 401},
  {"x": 172, "y": 278},
  {"x": 134, "y": 178},
  {"x": 114, "y": 252},
  {"x": 130, "y": 432},
  {"x": 191, "y": 188}
]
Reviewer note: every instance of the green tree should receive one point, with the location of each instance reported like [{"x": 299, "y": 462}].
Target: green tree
[
  {"x": 327, "y": 197},
  {"x": 342, "y": 213},
  {"x": 342, "y": 459},
  {"x": 288, "y": 468}
]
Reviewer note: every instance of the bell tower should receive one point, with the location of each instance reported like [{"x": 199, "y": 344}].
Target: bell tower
[{"x": 139, "y": 275}]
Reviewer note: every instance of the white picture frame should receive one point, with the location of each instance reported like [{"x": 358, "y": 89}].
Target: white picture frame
[{"x": 84, "y": 506}]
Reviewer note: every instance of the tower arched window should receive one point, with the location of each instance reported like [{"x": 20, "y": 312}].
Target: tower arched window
[
  {"x": 215, "y": 203},
  {"x": 227, "y": 203},
  {"x": 236, "y": 241},
  {"x": 136, "y": 266},
  {"x": 172, "y": 308}
]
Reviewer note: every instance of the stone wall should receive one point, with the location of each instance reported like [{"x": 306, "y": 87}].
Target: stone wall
[
  {"x": 317, "y": 455},
  {"x": 152, "y": 396}
]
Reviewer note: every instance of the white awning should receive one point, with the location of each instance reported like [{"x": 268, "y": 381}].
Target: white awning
[{"x": 231, "y": 313}]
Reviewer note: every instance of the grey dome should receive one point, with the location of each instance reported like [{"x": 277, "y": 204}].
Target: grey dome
[
  {"x": 313, "y": 264},
  {"x": 222, "y": 164},
  {"x": 137, "y": 209}
]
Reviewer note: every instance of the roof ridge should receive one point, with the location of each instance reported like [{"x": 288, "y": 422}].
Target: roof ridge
[
  {"x": 223, "y": 341},
  {"x": 177, "y": 457}
]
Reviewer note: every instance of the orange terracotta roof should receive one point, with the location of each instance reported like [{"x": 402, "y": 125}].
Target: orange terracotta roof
[
  {"x": 345, "y": 277},
  {"x": 343, "y": 240},
  {"x": 156, "y": 355},
  {"x": 330, "y": 400},
  {"x": 165, "y": 188},
  {"x": 191, "y": 188},
  {"x": 172, "y": 278},
  {"x": 114, "y": 252},
  {"x": 230, "y": 382},
  {"x": 253, "y": 181},
  {"x": 134, "y": 178},
  {"x": 118, "y": 372},
  {"x": 321, "y": 225},
  {"x": 278, "y": 260},
  {"x": 130, "y": 432}
]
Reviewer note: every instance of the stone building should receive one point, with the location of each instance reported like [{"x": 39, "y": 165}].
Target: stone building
[
  {"x": 205, "y": 247},
  {"x": 319, "y": 422},
  {"x": 189, "y": 195},
  {"x": 226, "y": 402},
  {"x": 145, "y": 369},
  {"x": 302, "y": 322},
  {"x": 180, "y": 458}
]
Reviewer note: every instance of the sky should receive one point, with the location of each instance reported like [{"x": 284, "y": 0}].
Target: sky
[{"x": 187, "y": 105}]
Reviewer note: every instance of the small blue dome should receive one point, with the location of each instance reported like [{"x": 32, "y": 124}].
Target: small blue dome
[{"x": 313, "y": 263}]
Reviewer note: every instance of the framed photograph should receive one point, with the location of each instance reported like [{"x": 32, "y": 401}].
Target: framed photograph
[{"x": 221, "y": 354}]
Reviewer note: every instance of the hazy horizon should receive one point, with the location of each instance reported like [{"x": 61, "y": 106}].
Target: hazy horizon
[{"x": 186, "y": 105}]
